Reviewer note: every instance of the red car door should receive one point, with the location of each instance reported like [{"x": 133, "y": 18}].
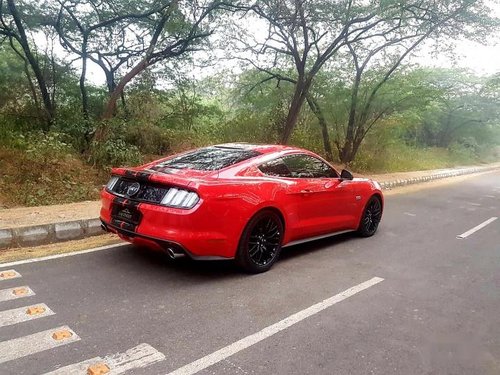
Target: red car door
[
  {"x": 322, "y": 205},
  {"x": 322, "y": 202},
  {"x": 342, "y": 199}
]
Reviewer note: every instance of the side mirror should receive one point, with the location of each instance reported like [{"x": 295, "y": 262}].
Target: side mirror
[{"x": 346, "y": 175}]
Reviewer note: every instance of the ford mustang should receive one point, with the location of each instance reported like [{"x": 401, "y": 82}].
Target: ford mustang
[{"x": 237, "y": 201}]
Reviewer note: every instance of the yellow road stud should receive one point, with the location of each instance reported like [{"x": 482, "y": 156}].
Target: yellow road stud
[
  {"x": 20, "y": 291},
  {"x": 98, "y": 369},
  {"x": 7, "y": 275},
  {"x": 35, "y": 310},
  {"x": 61, "y": 335}
]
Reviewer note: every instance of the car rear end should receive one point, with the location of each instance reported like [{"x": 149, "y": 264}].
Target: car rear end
[{"x": 179, "y": 210}]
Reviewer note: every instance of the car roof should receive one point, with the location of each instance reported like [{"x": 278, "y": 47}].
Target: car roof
[{"x": 261, "y": 148}]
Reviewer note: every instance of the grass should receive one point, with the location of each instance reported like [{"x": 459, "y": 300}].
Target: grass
[
  {"x": 26, "y": 180},
  {"x": 402, "y": 158}
]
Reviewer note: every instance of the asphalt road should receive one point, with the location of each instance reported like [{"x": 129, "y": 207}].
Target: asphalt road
[{"x": 436, "y": 311}]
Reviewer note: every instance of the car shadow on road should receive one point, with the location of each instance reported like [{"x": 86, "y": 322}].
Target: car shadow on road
[
  {"x": 308, "y": 248},
  {"x": 183, "y": 267},
  {"x": 203, "y": 271}
]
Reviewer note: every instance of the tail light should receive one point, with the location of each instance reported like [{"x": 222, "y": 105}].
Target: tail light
[
  {"x": 112, "y": 182},
  {"x": 180, "y": 198}
]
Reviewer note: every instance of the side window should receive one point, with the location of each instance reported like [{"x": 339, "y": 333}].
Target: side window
[
  {"x": 306, "y": 166},
  {"x": 276, "y": 168}
]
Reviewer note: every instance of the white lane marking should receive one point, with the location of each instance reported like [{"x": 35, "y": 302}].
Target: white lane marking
[
  {"x": 9, "y": 294},
  {"x": 9, "y": 274},
  {"x": 476, "y": 228},
  {"x": 473, "y": 204},
  {"x": 57, "y": 256},
  {"x": 140, "y": 356},
  {"x": 410, "y": 214},
  {"x": 19, "y": 315},
  {"x": 31, "y": 344},
  {"x": 490, "y": 196},
  {"x": 231, "y": 349}
]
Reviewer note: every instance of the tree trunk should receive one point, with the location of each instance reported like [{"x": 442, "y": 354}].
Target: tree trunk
[
  {"x": 350, "y": 150},
  {"x": 299, "y": 97},
  {"x": 124, "y": 103},
  {"x": 83, "y": 88},
  {"x": 110, "y": 81},
  {"x": 117, "y": 92},
  {"x": 32, "y": 87},
  {"x": 346, "y": 154},
  {"x": 313, "y": 104},
  {"x": 23, "y": 41}
]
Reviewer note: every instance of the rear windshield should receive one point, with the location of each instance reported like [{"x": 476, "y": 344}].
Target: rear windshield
[{"x": 208, "y": 159}]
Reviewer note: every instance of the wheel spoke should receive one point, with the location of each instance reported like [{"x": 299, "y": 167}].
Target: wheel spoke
[
  {"x": 268, "y": 224},
  {"x": 272, "y": 229},
  {"x": 260, "y": 256},
  {"x": 253, "y": 250},
  {"x": 273, "y": 234}
]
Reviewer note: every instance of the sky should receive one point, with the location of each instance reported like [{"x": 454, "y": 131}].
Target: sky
[{"x": 481, "y": 59}]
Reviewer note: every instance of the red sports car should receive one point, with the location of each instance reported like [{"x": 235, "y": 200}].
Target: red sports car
[{"x": 237, "y": 201}]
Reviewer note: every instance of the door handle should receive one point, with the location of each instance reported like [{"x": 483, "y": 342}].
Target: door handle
[{"x": 306, "y": 191}]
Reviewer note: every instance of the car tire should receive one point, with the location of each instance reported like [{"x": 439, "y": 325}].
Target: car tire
[
  {"x": 372, "y": 214},
  {"x": 260, "y": 243}
]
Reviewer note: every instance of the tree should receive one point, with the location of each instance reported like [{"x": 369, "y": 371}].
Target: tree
[
  {"x": 102, "y": 33},
  {"x": 14, "y": 27},
  {"x": 396, "y": 46},
  {"x": 467, "y": 108},
  {"x": 18, "y": 96},
  {"x": 173, "y": 32},
  {"x": 306, "y": 35}
]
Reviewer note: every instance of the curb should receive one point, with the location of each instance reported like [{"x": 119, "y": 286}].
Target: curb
[
  {"x": 436, "y": 176},
  {"x": 49, "y": 233},
  {"x": 73, "y": 230}
]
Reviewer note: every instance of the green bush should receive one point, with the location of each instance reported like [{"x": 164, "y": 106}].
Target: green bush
[
  {"x": 114, "y": 153},
  {"x": 47, "y": 146},
  {"x": 149, "y": 139},
  {"x": 465, "y": 150}
]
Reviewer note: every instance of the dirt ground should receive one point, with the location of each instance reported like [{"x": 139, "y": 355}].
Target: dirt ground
[
  {"x": 21, "y": 253},
  {"x": 24, "y": 216}
]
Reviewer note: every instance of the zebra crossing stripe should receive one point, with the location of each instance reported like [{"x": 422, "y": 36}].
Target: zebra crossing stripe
[
  {"x": 9, "y": 274},
  {"x": 138, "y": 357},
  {"x": 35, "y": 343},
  {"x": 23, "y": 314},
  {"x": 15, "y": 293}
]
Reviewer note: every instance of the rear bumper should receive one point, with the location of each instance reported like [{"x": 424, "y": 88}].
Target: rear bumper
[
  {"x": 199, "y": 233},
  {"x": 156, "y": 243}
]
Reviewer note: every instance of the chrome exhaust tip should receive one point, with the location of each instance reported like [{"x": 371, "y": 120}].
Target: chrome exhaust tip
[{"x": 173, "y": 254}]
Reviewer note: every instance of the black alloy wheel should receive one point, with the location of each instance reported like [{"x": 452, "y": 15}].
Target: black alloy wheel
[
  {"x": 260, "y": 244},
  {"x": 371, "y": 217}
]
